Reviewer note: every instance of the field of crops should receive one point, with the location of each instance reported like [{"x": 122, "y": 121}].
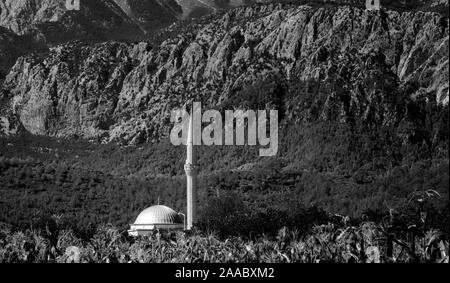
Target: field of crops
[
  {"x": 416, "y": 233},
  {"x": 367, "y": 242}
]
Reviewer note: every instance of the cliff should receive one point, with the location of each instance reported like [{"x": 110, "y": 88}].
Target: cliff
[{"x": 331, "y": 63}]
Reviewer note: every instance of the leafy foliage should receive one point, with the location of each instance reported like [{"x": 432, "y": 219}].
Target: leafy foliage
[
  {"x": 367, "y": 242},
  {"x": 404, "y": 235}
]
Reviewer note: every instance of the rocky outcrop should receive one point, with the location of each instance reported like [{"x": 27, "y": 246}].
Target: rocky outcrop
[
  {"x": 22, "y": 16},
  {"x": 150, "y": 14},
  {"x": 195, "y": 8},
  {"x": 50, "y": 22},
  {"x": 125, "y": 92}
]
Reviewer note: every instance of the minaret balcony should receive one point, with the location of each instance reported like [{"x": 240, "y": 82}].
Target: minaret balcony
[{"x": 191, "y": 169}]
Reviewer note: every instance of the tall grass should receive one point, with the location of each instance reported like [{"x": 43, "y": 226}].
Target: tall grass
[{"x": 366, "y": 243}]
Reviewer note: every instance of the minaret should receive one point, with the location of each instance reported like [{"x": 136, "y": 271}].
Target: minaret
[{"x": 191, "y": 169}]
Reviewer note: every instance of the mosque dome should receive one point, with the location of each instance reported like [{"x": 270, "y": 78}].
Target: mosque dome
[
  {"x": 156, "y": 217},
  {"x": 158, "y": 214}
]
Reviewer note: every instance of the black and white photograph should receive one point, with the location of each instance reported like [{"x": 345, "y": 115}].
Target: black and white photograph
[{"x": 247, "y": 132}]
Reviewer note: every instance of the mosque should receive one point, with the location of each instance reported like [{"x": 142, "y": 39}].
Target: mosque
[
  {"x": 162, "y": 217},
  {"x": 156, "y": 218}
]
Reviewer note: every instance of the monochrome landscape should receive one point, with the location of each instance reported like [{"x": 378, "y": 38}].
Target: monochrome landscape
[{"x": 360, "y": 170}]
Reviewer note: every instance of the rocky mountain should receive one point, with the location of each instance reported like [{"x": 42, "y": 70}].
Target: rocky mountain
[
  {"x": 153, "y": 14},
  {"x": 50, "y": 21},
  {"x": 313, "y": 64},
  {"x": 196, "y": 8},
  {"x": 31, "y": 25}
]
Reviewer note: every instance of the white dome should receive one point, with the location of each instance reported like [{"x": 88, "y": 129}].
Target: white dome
[{"x": 158, "y": 214}]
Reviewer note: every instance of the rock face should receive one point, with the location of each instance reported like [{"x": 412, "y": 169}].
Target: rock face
[
  {"x": 150, "y": 14},
  {"x": 195, "y": 8},
  {"x": 23, "y": 15},
  {"x": 371, "y": 62},
  {"x": 31, "y": 25},
  {"x": 50, "y": 22}
]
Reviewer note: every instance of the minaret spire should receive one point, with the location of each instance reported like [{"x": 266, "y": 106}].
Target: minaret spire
[{"x": 191, "y": 169}]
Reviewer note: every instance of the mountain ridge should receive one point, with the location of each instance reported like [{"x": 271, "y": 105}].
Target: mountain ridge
[{"x": 220, "y": 58}]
